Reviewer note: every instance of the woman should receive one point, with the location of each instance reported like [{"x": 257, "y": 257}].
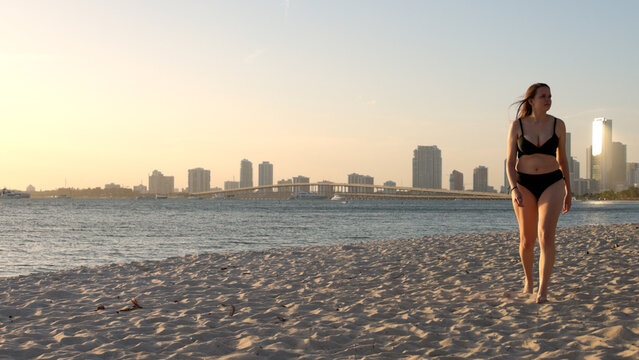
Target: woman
[{"x": 539, "y": 181}]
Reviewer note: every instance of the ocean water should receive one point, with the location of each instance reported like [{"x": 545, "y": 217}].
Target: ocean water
[{"x": 51, "y": 234}]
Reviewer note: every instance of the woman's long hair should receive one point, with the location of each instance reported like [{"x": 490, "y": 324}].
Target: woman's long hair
[{"x": 524, "y": 108}]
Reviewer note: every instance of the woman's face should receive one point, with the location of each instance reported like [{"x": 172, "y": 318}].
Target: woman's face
[{"x": 542, "y": 99}]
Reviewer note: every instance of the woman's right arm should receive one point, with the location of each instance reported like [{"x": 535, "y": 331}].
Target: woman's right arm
[{"x": 511, "y": 161}]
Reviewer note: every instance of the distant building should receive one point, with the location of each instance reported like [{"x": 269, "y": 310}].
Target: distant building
[
  {"x": 31, "y": 189},
  {"x": 390, "y": 191},
  {"x": 326, "y": 190},
  {"x": 506, "y": 185},
  {"x": 230, "y": 185},
  {"x": 360, "y": 179},
  {"x": 301, "y": 180},
  {"x": 427, "y": 167},
  {"x": 632, "y": 174},
  {"x": 199, "y": 180},
  {"x": 160, "y": 184},
  {"x": 573, "y": 166},
  {"x": 480, "y": 179},
  {"x": 139, "y": 189},
  {"x": 285, "y": 189},
  {"x": 618, "y": 178},
  {"x": 246, "y": 174},
  {"x": 605, "y": 159},
  {"x": 599, "y": 158},
  {"x": 265, "y": 175},
  {"x": 456, "y": 180},
  {"x": 112, "y": 186},
  {"x": 579, "y": 186}
]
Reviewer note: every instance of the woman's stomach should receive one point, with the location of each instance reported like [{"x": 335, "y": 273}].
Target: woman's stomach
[{"x": 537, "y": 164}]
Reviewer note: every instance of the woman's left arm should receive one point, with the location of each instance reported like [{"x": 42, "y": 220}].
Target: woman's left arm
[{"x": 563, "y": 164}]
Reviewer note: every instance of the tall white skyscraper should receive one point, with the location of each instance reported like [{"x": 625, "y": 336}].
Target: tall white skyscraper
[
  {"x": 427, "y": 167},
  {"x": 265, "y": 175},
  {"x": 199, "y": 180},
  {"x": 246, "y": 174},
  {"x": 600, "y": 165}
]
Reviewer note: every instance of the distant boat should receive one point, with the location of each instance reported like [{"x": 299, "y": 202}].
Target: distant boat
[
  {"x": 193, "y": 197},
  {"x": 337, "y": 197},
  {"x": 14, "y": 194},
  {"x": 60, "y": 197},
  {"x": 158, "y": 196}
]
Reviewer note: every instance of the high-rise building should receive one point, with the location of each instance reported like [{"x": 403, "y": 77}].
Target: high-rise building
[
  {"x": 31, "y": 188},
  {"x": 160, "y": 184},
  {"x": 632, "y": 173},
  {"x": 506, "y": 187},
  {"x": 579, "y": 186},
  {"x": 230, "y": 185},
  {"x": 355, "y": 178},
  {"x": 427, "y": 167},
  {"x": 265, "y": 175},
  {"x": 600, "y": 167},
  {"x": 246, "y": 174},
  {"x": 618, "y": 178},
  {"x": 327, "y": 190},
  {"x": 199, "y": 180},
  {"x": 390, "y": 191},
  {"x": 301, "y": 180},
  {"x": 606, "y": 160},
  {"x": 573, "y": 166},
  {"x": 480, "y": 179},
  {"x": 456, "y": 180},
  {"x": 285, "y": 189}
]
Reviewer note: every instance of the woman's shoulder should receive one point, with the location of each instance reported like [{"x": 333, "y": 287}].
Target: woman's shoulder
[
  {"x": 560, "y": 127},
  {"x": 559, "y": 122},
  {"x": 515, "y": 128}
]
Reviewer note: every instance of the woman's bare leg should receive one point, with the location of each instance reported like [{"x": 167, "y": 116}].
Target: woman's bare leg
[
  {"x": 527, "y": 219},
  {"x": 550, "y": 204}
]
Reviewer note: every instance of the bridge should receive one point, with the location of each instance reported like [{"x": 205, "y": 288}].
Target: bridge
[{"x": 327, "y": 190}]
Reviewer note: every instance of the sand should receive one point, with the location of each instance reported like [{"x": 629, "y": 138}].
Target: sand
[{"x": 445, "y": 297}]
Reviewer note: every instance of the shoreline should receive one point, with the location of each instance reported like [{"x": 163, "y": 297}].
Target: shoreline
[
  {"x": 263, "y": 250},
  {"x": 417, "y": 297}
]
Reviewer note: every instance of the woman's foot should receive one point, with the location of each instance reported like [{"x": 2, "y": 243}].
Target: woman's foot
[
  {"x": 541, "y": 299},
  {"x": 528, "y": 288}
]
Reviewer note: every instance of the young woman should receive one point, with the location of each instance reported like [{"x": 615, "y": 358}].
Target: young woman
[{"x": 537, "y": 170}]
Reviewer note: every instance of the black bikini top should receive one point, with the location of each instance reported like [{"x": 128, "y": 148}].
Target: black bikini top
[{"x": 525, "y": 147}]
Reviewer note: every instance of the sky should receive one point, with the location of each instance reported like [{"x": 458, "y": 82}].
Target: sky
[{"x": 98, "y": 92}]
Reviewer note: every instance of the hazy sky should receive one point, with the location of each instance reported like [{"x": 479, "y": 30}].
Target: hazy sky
[{"x": 94, "y": 92}]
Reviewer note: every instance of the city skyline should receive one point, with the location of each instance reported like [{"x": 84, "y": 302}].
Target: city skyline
[
  {"x": 425, "y": 160},
  {"x": 96, "y": 93}
]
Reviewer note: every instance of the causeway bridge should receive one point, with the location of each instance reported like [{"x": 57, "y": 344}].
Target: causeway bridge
[{"x": 327, "y": 190}]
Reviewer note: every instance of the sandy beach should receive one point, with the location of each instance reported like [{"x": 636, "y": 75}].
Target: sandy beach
[{"x": 455, "y": 296}]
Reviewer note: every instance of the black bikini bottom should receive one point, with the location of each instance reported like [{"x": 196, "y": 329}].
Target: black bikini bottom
[{"x": 538, "y": 183}]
